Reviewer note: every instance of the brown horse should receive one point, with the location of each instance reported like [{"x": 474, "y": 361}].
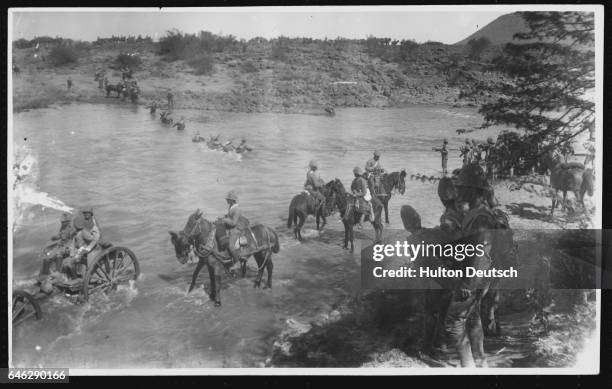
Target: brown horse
[
  {"x": 572, "y": 177},
  {"x": 351, "y": 214},
  {"x": 303, "y": 205},
  {"x": 198, "y": 236},
  {"x": 389, "y": 182}
]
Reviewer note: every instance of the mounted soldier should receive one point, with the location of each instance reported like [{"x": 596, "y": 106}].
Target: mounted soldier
[
  {"x": 313, "y": 185},
  {"x": 85, "y": 243},
  {"x": 374, "y": 172},
  {"x": 235, "y": 224},
  {"x": 359, "y": 189}
]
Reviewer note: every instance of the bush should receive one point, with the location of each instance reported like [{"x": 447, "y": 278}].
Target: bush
[
  {"x": 202, "y": 64},
  {"x": 279, "y": 53},
  {"x": 62, "y": 55},
  {"x": 478, "y": 46},
  {"x": 249, "y": 67},
  {"x": 131, "y": 61}
]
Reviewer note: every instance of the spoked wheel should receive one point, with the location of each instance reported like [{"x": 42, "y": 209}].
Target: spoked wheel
[
  {"x": 112, "y": 267},
  {"x": 25, "y": 307}
]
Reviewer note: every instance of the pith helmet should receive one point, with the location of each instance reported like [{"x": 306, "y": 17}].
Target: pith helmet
[
  {"x": 472, "y": 176},
  {"x": 376, "y": 153},
  {"x": 447, "y": 189},
  {"x": 445, "y": 141},
  {"x": 313, "y": 164},
  {"x": 357, "y": 170},
  {"x": 87, "y": 210},
  {"x": 231, "y": 195}
]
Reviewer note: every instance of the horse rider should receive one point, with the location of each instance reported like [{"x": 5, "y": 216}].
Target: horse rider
[
  {"x": 61, "y": 245},
  {"x": 359, "y": 188},
  {"x": 228, "y": 146},
  {"x": 180, "y": 125},
  {"x": 374, "y": 170},
  {"x": 444, "y": 154},
  {"x": 235, "y": 223},
  {"x": 85, "y": 241},
  {"x": 153, "y": 107},
  {"x": 242, "y": 147},
  {"x": 314, "y": 183}
]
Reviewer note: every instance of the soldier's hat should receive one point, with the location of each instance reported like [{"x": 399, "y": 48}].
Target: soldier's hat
[
  {"x": 445, "y": 141},
  {"x": 87, "y": 210},
  {"x": 231, "y": 195},
  {"x": 313, "y": 164},
  {"x": 66, "y": 217},
  {"x": 447, "y": 189},
  {"x": 376, "y": 153},
  {"x": 490, "y": 140},
  {"x": 357, "y": 170},
  {"x": 472, "y": 176}
]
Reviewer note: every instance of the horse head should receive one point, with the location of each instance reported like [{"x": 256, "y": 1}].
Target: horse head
[{"x": 183, "y": 241}]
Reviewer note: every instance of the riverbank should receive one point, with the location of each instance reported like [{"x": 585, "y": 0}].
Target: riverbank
[{"x": 308, "y": 78}]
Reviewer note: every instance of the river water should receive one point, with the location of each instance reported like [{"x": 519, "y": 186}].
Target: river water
[{"x": 143, "y": 179}]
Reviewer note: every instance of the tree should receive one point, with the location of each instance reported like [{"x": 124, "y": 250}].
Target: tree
[{"x": 546, "y": 76}]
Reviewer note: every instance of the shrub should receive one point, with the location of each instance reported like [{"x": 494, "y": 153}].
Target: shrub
[
  {"x": 478, "y": 46},
  {"x": 202, "y": 64},
  {"x": 131, "y": 61},
  {"x": 279, "y": 53},
  {"x": 62, "y": 55},
  {"x": 249, "y": 67}
]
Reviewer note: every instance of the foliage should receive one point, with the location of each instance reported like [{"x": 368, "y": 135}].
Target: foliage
[
  {"x": 478, "y": 46},
  {"x": 63, "y": 55},
  {"x": 202, "y": 64},
  {"x": 132, "y": 61},
  {"x": 248, "y": 67},
  {"x": 546, "y": 77}
]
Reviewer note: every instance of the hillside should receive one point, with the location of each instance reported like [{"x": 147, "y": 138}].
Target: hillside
[
  {"x": 500, "y": 31},
  {"x": 288, "y": 75}
]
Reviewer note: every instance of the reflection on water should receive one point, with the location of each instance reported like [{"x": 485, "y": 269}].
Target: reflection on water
[{"x": 143, "y": 178}]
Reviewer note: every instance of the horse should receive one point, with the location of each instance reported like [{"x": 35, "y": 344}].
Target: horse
[
  {"x": 388, "y": 182},
  {"x": 351, "y": 214},
  {"x": 572, "y": 177},
  {"x": 114, "y": 88},
  {"x": 302, "y": 205},
  {"x": 198, "y": 236}
]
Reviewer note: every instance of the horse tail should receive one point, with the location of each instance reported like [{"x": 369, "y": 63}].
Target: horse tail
[
  {"x": 276, "y": 244},
  {"x": 291, "y": 213}
]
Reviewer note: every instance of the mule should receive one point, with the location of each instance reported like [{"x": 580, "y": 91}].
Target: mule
[
  {"x": 350, "y": 213},
  {"x": 303, "y": 205},
  {"x": 389, "y": 182},
  {"x": 572, "y": 177},
  {"x": 208, "y": 241},
  {"x": 114, "y": 88}
]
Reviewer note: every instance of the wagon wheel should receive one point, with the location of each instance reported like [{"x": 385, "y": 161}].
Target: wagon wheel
[
  {"x": 25, "y": 306},
  {"x": 113, "y": 266}
]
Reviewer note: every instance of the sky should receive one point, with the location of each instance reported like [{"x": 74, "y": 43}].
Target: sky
[{"x": 314, "y": 22}]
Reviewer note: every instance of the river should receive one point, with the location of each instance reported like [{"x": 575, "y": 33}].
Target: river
[{"x": 143, "y": 179}]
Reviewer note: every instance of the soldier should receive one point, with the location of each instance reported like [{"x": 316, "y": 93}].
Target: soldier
[
  {"x": 85, "y": 242},
  {"x": 170, "y": 97},
  {"x": 235, "y": 223},
  {"x": 359, "y": 188},
  {"x": 374, "y": 171},
  {"x": 61, "y": 246},
  {"x": 444, "y": 154},
  {"x": 314, "y": 183},
  {"x": 242, "y": 147},
  {"x": 69, "y": 83},
  {"x": 466, "y": 153}
]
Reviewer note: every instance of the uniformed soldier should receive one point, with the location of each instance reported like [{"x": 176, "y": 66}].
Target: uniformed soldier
[
  {"x": 314, "y": 183},
  {"x": 374, "y": 171},
  {"x": 170, "y": 97},
  {"x": 61, "y": 246},
  {"x": 466, "y": 152},
  {"x": 235, "y": 223},
  {"x": 444, "y": 154},
  {"x": 359, "y": 188},
  {"x": 85, "y": 242}
]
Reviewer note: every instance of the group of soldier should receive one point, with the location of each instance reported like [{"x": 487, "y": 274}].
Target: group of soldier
[
  {"x": 77, "y": 239},
  {"x": 471, "y": 152}
]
